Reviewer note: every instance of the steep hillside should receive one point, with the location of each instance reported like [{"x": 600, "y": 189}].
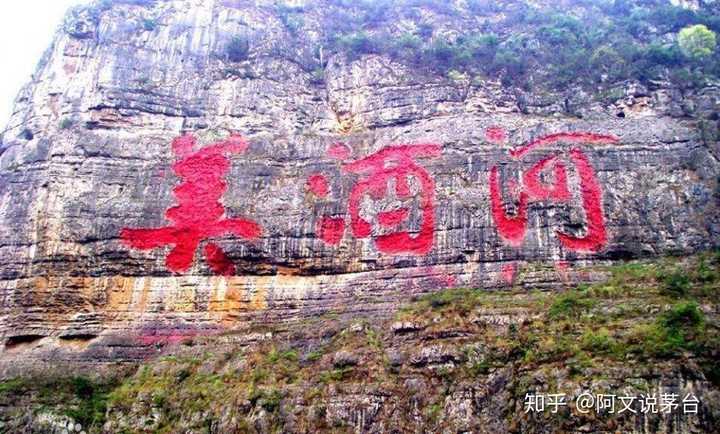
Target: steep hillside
[{"x": 460, "y": 360}]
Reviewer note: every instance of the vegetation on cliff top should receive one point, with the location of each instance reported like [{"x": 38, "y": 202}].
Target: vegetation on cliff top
[
  {"x": 533, "y": 45},
  {"x": 552, "y": 44},
  {"x": 647, "y": 318}
]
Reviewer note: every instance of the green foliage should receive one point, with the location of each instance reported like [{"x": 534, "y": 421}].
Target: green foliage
[
  {"x": 666, "y": 55},
  {"x": 434, "y": 411},
  {"x": 275, "y": 356},
  {"x": 675, "y": 283},
  {"x": 631, "y": 272},
  {"x": 93, "y": 401},
  {"x": 479, "y": 368},
  {"x": 335, "y": 375},
  {"x": 269, "y": 399},
  {"x": 447, "y": 298},
  {"x": 425, "y": 30},
  {"x": 375, "y": 11},
  {"x": 291, "y": 17},
  {"x": 83, "y": 399},
  {"x": 358, "y": 43},
  {"x": 442, "y": 52},
  {"x": 555, "y": 48},
  {"x": 149, "y": 24},
  {"x": 441, "y": 7},
  {"x": 697, "y": 41},
  {"x": 683, "y": 316},
  {"x": 406, "y": 47},
  {"x": 103, "y": 5},
  {"x": 66, "y": 123},
  {"x": 712, "y": 372},
  {"x": 609, "y": 327},
  {"x": 12, "y": 386},
  {"x": 597, "y": 342},
  {"x": 479, "y": 7},
  {"x": 570, "y": 304},
  {"x": 238, "y": 49},
  {"x": 705, "y": 272},
  {"x": 317, "y": 76},
  {"x": 456, "y": 76},
  {"x": 314, "y": 356},
  {"x": 373, "y": 338},
  {"x": 679, "y": 328}
]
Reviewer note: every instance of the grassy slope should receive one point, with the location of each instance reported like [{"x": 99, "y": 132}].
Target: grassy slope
[{"x": 647, "y": 319}]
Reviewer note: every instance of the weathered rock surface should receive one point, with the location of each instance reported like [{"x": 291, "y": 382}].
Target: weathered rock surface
[
  {"x": 459, "y": 360},
  {"x": 88, "y": 153}
]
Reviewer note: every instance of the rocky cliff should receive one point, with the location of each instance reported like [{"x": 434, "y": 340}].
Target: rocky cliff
[{"x": 177, "y": 169}]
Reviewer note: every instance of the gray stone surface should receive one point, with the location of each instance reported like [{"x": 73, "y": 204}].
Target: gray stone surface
[{"x": 87, "y": 153}]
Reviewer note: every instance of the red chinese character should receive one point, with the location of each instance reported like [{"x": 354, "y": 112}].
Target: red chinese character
[
  {"x": 396, "y": 164},
  {"x": 199, "y": 213},
  {"x": 512, "y": 228}
]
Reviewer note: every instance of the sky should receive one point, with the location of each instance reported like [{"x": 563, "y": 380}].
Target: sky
[{"x": 26, "y": 31}]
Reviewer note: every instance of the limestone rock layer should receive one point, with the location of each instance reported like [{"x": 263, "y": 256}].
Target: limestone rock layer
[{"x": 345, "y": 195}]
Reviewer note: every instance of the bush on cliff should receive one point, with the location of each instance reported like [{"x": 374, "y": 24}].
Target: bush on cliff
[
  {"x": 238, "y": 49},
  {"x": 550, "y": 46},
  {"x": 697, "y": 41}
]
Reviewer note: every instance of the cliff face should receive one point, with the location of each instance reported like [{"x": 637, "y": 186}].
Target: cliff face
[
  {"x": 347, "y": 192},
  {"x": 219, "y": 174},
  {"x": 636, "y": 353}
]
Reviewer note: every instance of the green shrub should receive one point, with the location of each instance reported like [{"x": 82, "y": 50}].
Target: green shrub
[
  {"x": 679, "y": 328},
  {"x": 12, "y": 386},
  {"x": 275, "y": 356},
  {"x": 705, "y": 273},
  {"x": 83, "y": 387},
  {"x": 103, "y": 5},
  {"x": 159, "y": 399},
  {"x": 554, "y": 50},
  {"x": 570, "y": 304},
  {"x": 479, "y": 368},
  {"x": 509, "y": 61},
  {"x": 697, "y": 41},
  {"x": 374, "y": 339},
  {"x": 439, "y": 6},
  {"x": 597, "y": 342},
  {"x": 149, "y": 24},
  {"x": 335, "y": 375},
  {"x": 407, "y": 47},
  {"x": 483, "y": 6},
  {"x": 456, "y": 76},
  {"x": 663, "y": 54},
  {"x": 182, "y": 375},
  {"x": 442, "y": 54},
  {"x": 92, "y": 400},
  {"x": 317, "y": 76},
  {"x": 375, "y": 11},
  {"x": 682, "y": 317},
  {"x": 449, "y": 297},
  {"x": 425, "y": 30},
  {"x": 238, "y": 49},
  {"x": 670, "y": 17},
  {"x": 271, "y": 400},
  {"x": 675, "y": 284},
  {"x": 66, "y": 123},
  {"x": 356, "y": 44},
  {"x": 291, "y": 17},
  {"x": 314, "y": 356}
]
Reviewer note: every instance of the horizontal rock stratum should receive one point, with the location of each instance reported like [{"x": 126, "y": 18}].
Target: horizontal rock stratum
[{"x": 153, "y": 189}]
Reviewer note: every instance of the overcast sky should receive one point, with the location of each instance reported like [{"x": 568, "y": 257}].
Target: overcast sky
[{"x": 26, "y": 30}]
